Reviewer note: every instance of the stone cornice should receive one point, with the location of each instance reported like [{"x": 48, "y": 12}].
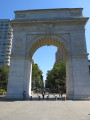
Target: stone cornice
[
  {"x": 61, "y": 20},
  {"x": 36, "y": 10}
]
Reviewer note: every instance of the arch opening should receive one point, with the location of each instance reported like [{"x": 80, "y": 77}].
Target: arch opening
[{"x": 48, "y": 41}]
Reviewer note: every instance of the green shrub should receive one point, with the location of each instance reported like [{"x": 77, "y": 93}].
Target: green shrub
[{"x": 1, "y": 91}]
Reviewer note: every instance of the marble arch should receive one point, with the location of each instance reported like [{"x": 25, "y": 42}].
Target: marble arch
[{"x": 64, "y": 28}]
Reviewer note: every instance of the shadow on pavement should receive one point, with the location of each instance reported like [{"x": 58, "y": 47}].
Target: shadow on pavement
[
  {"x": 3, "y": 99},
  {"x": 49, "y": 99}
]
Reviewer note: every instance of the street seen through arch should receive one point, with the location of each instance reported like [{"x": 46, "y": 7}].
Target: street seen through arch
[{"x": 51, "y": 85}]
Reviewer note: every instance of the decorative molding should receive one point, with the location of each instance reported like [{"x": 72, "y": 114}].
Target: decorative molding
[
  {"x": 47, "y": 27},
  {"x": 74, "y": 13},
  {"x": 20, "y": 15}
]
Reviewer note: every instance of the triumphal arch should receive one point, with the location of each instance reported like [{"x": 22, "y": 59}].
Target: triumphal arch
[{"x": 63, "y": 28}]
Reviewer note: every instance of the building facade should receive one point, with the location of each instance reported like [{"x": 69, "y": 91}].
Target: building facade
[
  {"x": 89, "y": 65},
  {"x": 5, "y": 41},
  {"x": 59, "y": 56}
]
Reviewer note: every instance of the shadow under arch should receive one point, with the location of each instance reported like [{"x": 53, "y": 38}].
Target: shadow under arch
[{"x": 48, "y": 40}]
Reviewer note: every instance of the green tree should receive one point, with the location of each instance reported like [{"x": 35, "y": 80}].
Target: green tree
[
  {"x": 3, "y": 77},
  {"x": 57, "y": 76},
  {"x": 37, "y": 78}
]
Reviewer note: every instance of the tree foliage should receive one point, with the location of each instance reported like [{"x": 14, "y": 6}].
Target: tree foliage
[
  {"x": 37, "y": 78},
  {"x": 57, "y": 76},
  {"x": 3, "y": 77}
]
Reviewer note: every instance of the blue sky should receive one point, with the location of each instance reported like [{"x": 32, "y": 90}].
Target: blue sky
[{"x": 45, "y": 56}]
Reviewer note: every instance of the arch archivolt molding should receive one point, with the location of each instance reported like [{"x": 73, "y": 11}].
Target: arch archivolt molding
[{"x": 36, "y": 41}]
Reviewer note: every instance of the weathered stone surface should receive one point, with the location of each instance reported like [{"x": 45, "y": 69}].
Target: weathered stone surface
[{"x": 63, "y": 28}]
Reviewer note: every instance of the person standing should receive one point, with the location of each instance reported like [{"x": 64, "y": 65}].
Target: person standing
[
  {"x": 43, "y": 94},
  {"x": 24, "y": 95},
  {"x": 61, "y": 93}
]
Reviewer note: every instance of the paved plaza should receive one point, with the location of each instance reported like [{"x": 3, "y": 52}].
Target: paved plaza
[{"x": 45, "y": 110}]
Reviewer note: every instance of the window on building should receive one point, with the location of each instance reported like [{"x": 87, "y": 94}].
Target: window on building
[
  {"x": 4, "y": 44},
  {"x": 2, "y": 55},
  {"x": 3, "y": 47},
  {"x": 3, "y": 51},
  {"x": 6, "y": 28},
  {"x": 6, "y": 24},
  {"x": 2, "y": 58},
  {"x": 1, "y": 28},
  {"x": 5, "y": 33},
  {"x": 4, "y": 37},
  {"x": 2, "y": 24},
  {"x": 1, "y": 61},
  {"x": 4, "y": 40}
]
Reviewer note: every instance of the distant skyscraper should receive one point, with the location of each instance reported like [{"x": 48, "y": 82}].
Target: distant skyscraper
[
  {"x": 5, "y": 41},
  {"x": 89, "y": 65},
  {"x": 59, "y": 56}
]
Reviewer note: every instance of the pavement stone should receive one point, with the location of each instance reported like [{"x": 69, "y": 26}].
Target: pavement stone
[{"x": 45, "y": 110}]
